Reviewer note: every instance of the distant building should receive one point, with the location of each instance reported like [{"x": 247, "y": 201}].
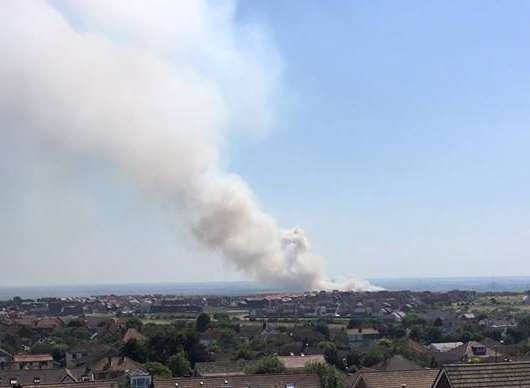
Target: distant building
[
  {"x": 32, "y": 361},
  {"x": 449, "y": 353},
  {"x": 220, "y": 368},
  {"x": 5, "y": 359},
  {"x": 396, "y": 362},
  {"x": 115, "y": 367},
  {"x": 133, "y": 334},
  {"x": 361, "y": 334},
  {"x": 444, "y": 346},
  {"x": 87, "y": 355}
]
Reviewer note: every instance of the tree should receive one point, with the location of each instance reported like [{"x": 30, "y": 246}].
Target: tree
[
  {"x": 157, "y": 369},
  {"x": 329, "y": 377},
  {"x": 372, "y": 357},
  {"x": 322, "y": 328},
  {"x": 134, "y": 323},
  {"x": 24, "y": 332},
  {"x": 179, "y": 364},
  {"x": 134, "y": 350},
  {"x": 245, "y": 353},
  {"x": 267, "y": 365},
  {"x": 202, "y": 323},
  {"x": 228, "y": 339},
  {"x": 330, "y": 352},
  {"x": 167, "y": 341},
  {"x": 10, "y": 343},
  {"x": 75, "y": 323},
  {"x": 412, "y": 319}
]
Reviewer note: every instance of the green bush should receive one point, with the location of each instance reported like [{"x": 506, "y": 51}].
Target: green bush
[
  {"x": 328, "y": 375},
  {"x": 266, "y": 365},
  {"x": 158, "y": 369}
]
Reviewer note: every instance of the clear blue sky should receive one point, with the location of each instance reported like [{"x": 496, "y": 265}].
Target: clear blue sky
[{"x": 403, "y": 143}]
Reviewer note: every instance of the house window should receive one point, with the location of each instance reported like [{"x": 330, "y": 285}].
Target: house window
[{"x": 140, "y": 382}]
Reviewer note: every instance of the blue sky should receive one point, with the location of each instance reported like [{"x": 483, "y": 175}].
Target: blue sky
[{"x": 402, "y": 143}]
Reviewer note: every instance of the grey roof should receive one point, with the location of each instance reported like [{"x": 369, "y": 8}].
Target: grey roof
[
  {"x": 45, "y": 376},
  {"x": 418, "y": 378},
  {"x": 445, "y": 346},
  {"x": 487, "y": 375},
  {"x": 221, "y": 368},
  {"x": 396, "y": 362}
]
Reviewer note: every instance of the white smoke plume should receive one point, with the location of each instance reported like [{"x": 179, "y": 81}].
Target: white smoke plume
[{"x": 155, "y": 88}]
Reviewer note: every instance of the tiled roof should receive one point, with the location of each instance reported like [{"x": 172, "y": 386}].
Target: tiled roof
[
  {"x": 397, "y": 362},
  {"x": 91, "y": 384},
  {"x": 445, "y": 346},
  {"x": 133, "y": 334},
  {"x": 116, "y": 364},
  {"x": 32, "y": 357},
  {"x": 221, "y": 368},
  {"x": 248, "y": 381},
  {"x": 363, "y": 331},
  {"x": 492, "y": 375},
  {"x": 418, "y": 378},
  {"x": 45, "y": 376}
]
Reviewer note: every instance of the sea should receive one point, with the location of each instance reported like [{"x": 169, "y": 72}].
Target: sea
[{"x": 481, "y": 284}]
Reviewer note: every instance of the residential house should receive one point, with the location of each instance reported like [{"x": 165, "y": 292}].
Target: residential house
[
  {"x": 418, "y": 378},
  {"x": 133, "y": 334},
  {"x": 396, "y": 362},
  {"x": 451, "y": 352},
  {"x": 491, "y": 375},
  {"x": 115, "y": 367},
  {"x": 88, "y": 354},
  {"x": 295, "y": 380},
  {"x": 361, "y": 334},
  {"x": 220, "y": 368},
  {"x": 139, "y": 379},
  {"x": 26, "y": 377},
  {"x": 444, "y": 346},
  {"x": 48, "y": 324},
  {"x": 5, "y": 359},
  {"x": 90, "y": 384},
  {"x": 32, "y": 361}
]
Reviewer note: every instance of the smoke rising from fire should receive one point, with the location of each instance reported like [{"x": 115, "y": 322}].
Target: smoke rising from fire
[{"x": 155, "y": 88}]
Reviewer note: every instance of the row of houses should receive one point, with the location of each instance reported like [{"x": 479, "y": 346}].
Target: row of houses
[{"x": 490, "y": 375}]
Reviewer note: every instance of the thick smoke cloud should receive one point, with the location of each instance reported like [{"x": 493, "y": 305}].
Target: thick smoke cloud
[{"x": 155, "y": 88}]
